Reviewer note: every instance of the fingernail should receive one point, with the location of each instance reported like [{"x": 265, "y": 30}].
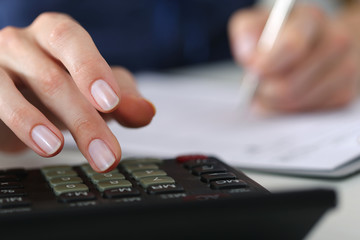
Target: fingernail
[
  {"x": 245, "y": 47},
  {"x": 45, "y": 139},
  {"x": 103, "y": 94},
  {"x": 101, "y": 154}
]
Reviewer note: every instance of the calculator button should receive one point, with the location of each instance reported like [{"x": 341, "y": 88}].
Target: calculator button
[
  {"x": 131, "y": 161},
  {"x": 141, "y": 166},
  {"x": 76, "y": 196},
  {"x": 199, "y": 162},
  {"x": 64, "y": 180},
  {"x": 60, "y": 173},
  {"x": 55, "y": 168},
  {"x": 121, "y": 192},
  {"x": 208, "y": 177},
  {"x": 73, "y": 187},
  {"x": 105, "y": 185},
  {"x": 209, "y": 168},
  {"x": 228, "y": 184},
  {"x": 148, "y": 181},
  {"x": 89, "y": 171},
  {"x": 186, "y": 158},
  {"x": 106, "y": 176},
  {"x": 10, "y": 185},
  {"x": 165, "y": 188},
  {"x": 12, "y": 193},
  {"x": 148, "y": 173},
  {"x": 12, "y": 202}
]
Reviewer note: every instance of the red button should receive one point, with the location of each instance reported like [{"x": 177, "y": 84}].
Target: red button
[{"x": 185, "y": 158}]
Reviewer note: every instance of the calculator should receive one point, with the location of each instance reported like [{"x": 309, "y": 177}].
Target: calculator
[{"x": 188, "y": 196}]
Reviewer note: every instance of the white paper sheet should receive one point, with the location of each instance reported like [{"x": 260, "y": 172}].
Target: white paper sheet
[{"x": 201, "y": 116}]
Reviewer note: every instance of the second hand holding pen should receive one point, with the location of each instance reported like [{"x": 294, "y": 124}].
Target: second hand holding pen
[{"x": 276, "y": 20}]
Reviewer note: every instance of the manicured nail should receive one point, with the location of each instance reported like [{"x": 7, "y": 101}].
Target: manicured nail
[
  {"x": 101, "y": 154},
  {"x": 103, "y": 94},
  {"x": 245, "y": 47},
  {"x": 45, "y": 139}
]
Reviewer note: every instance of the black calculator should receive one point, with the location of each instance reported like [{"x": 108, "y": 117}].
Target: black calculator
[{"x": 185, "y": 197}]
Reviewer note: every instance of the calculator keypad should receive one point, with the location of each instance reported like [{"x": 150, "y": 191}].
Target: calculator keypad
[{"x": 196, "y": 177}]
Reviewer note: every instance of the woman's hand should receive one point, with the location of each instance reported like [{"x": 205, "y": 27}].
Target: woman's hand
[
  {"x": 53, "y": 76},
  {"x": 313, "y": 65}
]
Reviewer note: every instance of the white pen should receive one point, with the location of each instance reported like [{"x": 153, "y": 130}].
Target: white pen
[{"x": 276, "y": 20}]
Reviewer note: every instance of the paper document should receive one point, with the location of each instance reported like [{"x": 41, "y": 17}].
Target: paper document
[{"x": 197, "y": 115}]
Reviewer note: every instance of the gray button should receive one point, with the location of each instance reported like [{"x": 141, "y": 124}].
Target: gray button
[
  {"x": 60, "y": 173},
  {"x": 141, "y": 166},
  {"x": 102, "y": 186},
  {"x": 148, "y": 173},
  {"x": 64, "y": 180},
  {"x": 106, "y": 176},
  {"x": 148, "y": 181},
  {"x": 73, "y": 187}
]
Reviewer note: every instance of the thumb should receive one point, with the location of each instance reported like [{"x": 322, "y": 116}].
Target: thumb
[{"x": 134, "y": 110}]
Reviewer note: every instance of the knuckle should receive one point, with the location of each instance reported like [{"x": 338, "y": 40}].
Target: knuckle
[
  {"x": 83, "y": 125},
  {"x": 17, "y": 117},
  {"x": 51, "y": 82},
  {"x": 86, "y": 64},
  {"x": 50, "y": 16},
  {"x": 10, "y": 37},
  {"x": 62, "y": 29}
]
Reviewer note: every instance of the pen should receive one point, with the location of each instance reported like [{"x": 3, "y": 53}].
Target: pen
[{"x": 278, "y": 15}]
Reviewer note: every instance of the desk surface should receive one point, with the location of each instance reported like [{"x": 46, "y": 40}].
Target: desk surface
[{"x": 340, "y": 223}]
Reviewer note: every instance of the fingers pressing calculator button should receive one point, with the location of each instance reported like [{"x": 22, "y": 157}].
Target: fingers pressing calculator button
[{"x": 135, "y": 180}]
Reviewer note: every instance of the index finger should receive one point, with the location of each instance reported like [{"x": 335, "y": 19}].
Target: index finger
[{"x": 65, "y": 40}]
